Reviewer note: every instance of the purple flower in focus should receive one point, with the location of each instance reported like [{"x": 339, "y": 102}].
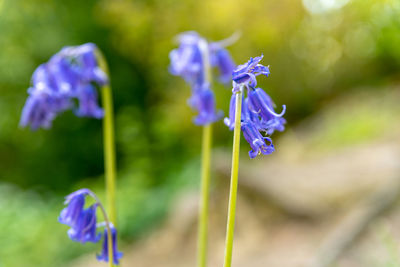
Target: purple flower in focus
[
  {"x": 246, "y": 73},
  {"x": 104, "y": 252},
  {"x": 256, "y": 140},
  {"x": 258, "y": 114},
  {"x": 190, "y": 61},
  {"x": 261, "y": 104},
  {"x": 71, "y": 74}
]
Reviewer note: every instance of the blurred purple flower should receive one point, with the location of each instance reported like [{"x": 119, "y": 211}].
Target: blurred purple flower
[
  {"x": 70, "y": 74},
  {"x": 104, "y": 252},
  {"x": 188, "y": 62},
  {"x": 72, "y": 213},
  {"x": 203, "y": 101},
  {"x": 222, "y": 59},
  {"x": 83, "y": 222},
  {"x": 85, "y": 229}
]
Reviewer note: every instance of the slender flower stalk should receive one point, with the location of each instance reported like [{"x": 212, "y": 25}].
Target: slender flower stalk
[
  {"x": 193, "y": 61},
  {"x": 254, "y": 117},
  {"x": 204, "y": 196},
  {"x": 205, "y": 169},
  {"x": 72, "y": 75},
  {"x": 230, "y": 227},
  {"x": 109, "y": 143}
]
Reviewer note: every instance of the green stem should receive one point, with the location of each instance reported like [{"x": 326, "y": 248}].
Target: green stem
[
  {"x": 109, "y": 161},
  {"x": 109, "y": 149},
  {"x": 202, "y": 237},
  {"x": 204, "y": 199},
  {"x": 234, "y": 182}
]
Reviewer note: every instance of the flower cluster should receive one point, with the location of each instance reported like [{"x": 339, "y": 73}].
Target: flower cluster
[
  {"x": 192, "y": 61},
  {"x": 83, "y": 223},
  {"x": 258, "y": 114},
  {"x": 71, "y": 74}
]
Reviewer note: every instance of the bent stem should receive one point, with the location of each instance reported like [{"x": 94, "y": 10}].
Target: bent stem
[
  {"x": 108, "y": 223},
  {"x": 204, "y": 199},
  {"x": 234, "y": 182}
]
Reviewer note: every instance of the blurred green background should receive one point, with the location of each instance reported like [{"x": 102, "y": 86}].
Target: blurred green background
[{"x": 318, "y": 50}]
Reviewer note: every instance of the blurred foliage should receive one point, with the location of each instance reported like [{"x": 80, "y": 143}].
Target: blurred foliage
[{"x": 318, "y": 50}]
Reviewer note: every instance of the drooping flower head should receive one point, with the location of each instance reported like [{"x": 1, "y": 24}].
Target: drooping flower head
[
  {"x": 192, "y": 61},
  {"x": 83, "y": 223},
  {"x": 104, "y": 252},
  {"x": 71, "y": 214},
  {"x": 203, "y": 101},
  {"x": 85, "y": 229},
  {"x": 71, "y": 74},
  {"x": 258, "y": 114}
]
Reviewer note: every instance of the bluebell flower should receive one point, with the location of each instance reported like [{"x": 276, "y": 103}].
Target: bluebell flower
[
  {"x": 83, "y": 222},
  {"x": 104, "y": 252},
  {"x": 85, "y": 229},
  {"x": 188, "y": 61},
  {"x": 230, "y": 121},
  {"x": 246, "y": 73},
  {"x": 258, "y": 114},
  {"x": 72, "y": 213},
  {"x": 88, "y": 107},
  {"x": 256, "y": 140},
  {"x": 203, "y": 101},
  {"x": 261, "y": 103},
  {"x": 71, "y": 74},
  {"x": 222, "y": 59}
]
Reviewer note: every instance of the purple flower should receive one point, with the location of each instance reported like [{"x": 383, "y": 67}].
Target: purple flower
[
  {"x": 85, "y": 229},
  {"x": 187, "y": 60},
  {"x": 247, "y": 73},
  {"x": 190, "y": 61},
  {"x": 230, "y": 121},
  {"x": 104, "y": 252},
  {"x": 69, "y": 75},
  {"x": 261, "y": 104},
  {"x": 221, "y": 58},
  {"x": 88, "y": 103},
  {"x": 72, "y": 213},
  {"x": 83, "y": 222},
  {"x": 258, "y": 114},
  {"x": 256, "y": 140},
  {"x": 203, "y": 101}
]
